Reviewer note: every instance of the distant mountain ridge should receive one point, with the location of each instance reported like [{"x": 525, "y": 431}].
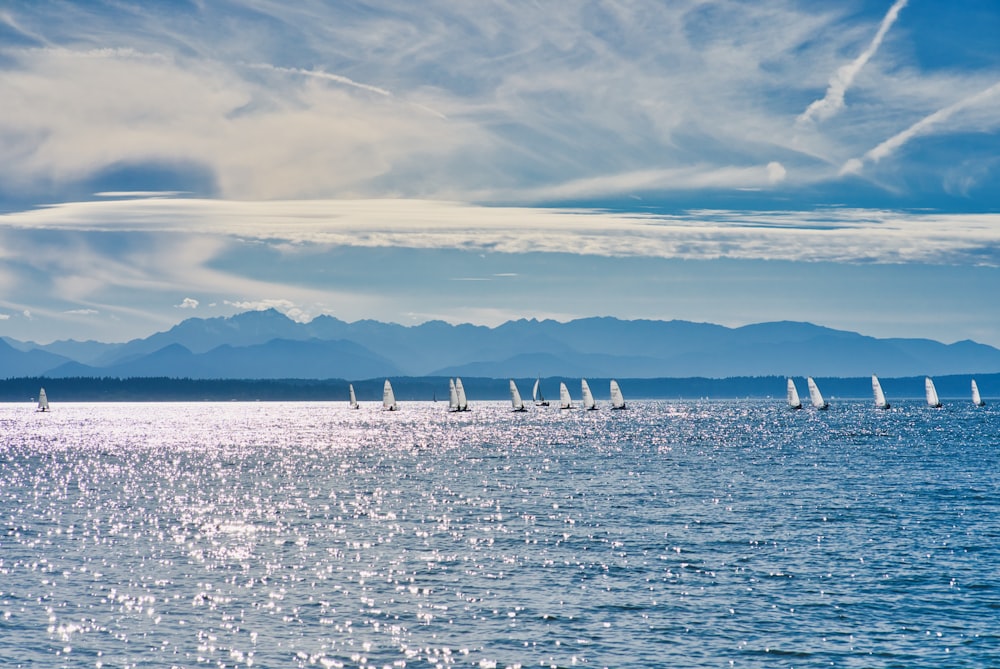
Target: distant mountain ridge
[{"x": 269, "y": 345}]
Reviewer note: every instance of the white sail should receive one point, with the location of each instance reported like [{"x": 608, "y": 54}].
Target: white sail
[
  {"x": 388, "y": 397},
  {"x": 932, "y": 396},
  {"x": 880, "y": 402},
  {"x": 354, "y": 399},
  {"x": 463, "y": 404},
  {"x": 515, "y": 398},
  {"x": 43, "y": 400},
  {"x": 977, "y": 399},
  {"x": 588, "y": 398},
  {"x": 452, "y": 396},
  {"x": 815, "y": 396},
  {"x": 617, "y": 399},
  {"x": 793, "y": 396},
  {"x": 565, "y": 401}
]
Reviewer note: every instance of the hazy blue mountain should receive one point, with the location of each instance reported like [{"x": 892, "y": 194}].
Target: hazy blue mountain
[
  {"x": 267, "y": 345},
  {"x": 200, "y": 335},
  {"x": 19, "y": 345},
  {"x": 81, "y": 351},
  {"x": 275, "y": 359},
  {"x": 15, "y": 362}
]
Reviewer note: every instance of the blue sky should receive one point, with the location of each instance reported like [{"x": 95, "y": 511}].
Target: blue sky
[{"x": 702, "y": 160}]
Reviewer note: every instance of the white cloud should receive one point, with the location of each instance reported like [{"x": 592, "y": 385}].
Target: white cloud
[
  {"x": 776, "y": 172},
  {"x": 833, "y": 101},
  {"x": 82, "y": 312},
  {"x": 189, "y": 234},
  {"x": 4, "y": 317},
  {"x": 69, "y": 114},
  {"x": 187, "y": 303},
  {"x": 287, "y": 307},
  {"x": 852, "y": 166}
]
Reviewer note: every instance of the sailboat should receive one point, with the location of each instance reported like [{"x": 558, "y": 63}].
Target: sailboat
[
  {"x": 354, "y": 399},
  {"x": 515, "y": 398},
  {"x": 565, "y": 401},
  {"x": 452, "y": 396},
  {"x": 793, "y": 396},
  {"x": 43, "y": 400},
  {"x": 932, "y": 396},
  {"x": 536, "y": 395},
  {"x": 880, "y": 402},
  {"x": 463, "y": 404},
  {"x": 815, "y": 396},
  {"x": 588, "y": 398},
  {"x": 388, "y": 397},
  {"x": 976, "y": 397},
  {"x": 617, "y": 399}
]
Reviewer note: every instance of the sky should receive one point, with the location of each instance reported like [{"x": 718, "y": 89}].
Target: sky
[{"x": 704, "y": 160}]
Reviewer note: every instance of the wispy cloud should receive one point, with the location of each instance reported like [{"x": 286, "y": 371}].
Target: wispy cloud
[
  {"x": 320, "y": 74},
  {"x": 842, "y": 79},
  {"x": 8, "y": 19},
  {"x": 200, "y": 230},
  {"x": 515, "y": 102},
  {"x": 924, "y": 126},
  {"x": 139, "y": 193},
  {"x": 188, "y": 303}
]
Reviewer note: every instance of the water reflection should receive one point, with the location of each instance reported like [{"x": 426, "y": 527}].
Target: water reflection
[{"x": 676, "y": 533}]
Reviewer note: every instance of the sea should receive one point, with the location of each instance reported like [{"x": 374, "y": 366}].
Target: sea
[{"x": 695, "y": 533}]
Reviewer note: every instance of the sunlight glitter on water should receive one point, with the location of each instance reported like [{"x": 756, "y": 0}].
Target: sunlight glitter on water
[{"x": 675, "y": 533}]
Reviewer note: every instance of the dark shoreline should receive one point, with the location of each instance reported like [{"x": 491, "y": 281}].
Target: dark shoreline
[{"x": 162, "y": 389}]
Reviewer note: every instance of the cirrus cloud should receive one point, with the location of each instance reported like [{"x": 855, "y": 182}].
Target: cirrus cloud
[{"x": 208, "y": 228}]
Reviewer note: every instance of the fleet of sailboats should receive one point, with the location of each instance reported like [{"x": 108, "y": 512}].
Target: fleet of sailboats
[
  {"x": 931, "y": 392},
  {"x": 457, "y": 400},
  {"x": 517, "y": 404},
  {"x": 815, "y": 396},
  {"x": 880, "y": 401}
]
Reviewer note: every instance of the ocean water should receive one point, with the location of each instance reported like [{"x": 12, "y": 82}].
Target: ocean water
[{"x": 673, "y": 534}]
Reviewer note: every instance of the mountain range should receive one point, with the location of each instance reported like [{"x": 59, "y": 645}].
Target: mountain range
[{"x": 269, "y": 345}]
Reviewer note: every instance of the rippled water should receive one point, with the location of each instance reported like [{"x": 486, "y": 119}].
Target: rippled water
[{"x": 690, "y": 534}]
